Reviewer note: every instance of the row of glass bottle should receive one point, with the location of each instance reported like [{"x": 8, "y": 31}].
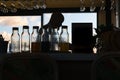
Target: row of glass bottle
[{"x": 43, "y": 40}]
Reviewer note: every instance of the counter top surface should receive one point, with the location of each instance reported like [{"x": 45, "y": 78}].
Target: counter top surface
[
  {"x": 70, "y": 56},
  {"x": 74, "y": 56}
]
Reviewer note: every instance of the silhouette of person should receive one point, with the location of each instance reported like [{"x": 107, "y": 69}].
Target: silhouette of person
[{"x": 56, "y": 20}]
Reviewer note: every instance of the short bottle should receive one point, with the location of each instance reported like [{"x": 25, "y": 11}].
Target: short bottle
[
  {"x": 35, "y": 40},
  {"x": 25, "y": 40},
  {"x": 64, "y": 39},
  {"x": 15, "y": 40},
  {"x": 54, "y": 40}
]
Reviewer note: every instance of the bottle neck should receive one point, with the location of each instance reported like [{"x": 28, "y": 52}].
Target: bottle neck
[
  {"x": 64, "y": 30},
  {"x": 35, "y": 30},
  {"x": 15, "y": 31},
  {"x": 54, "y": 30},
  {"x": 26, "y": 30},
  {"x": 46, "y": 31}
]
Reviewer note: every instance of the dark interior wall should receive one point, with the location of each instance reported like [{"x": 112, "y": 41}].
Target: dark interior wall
[{"x": 74, "y": 70}]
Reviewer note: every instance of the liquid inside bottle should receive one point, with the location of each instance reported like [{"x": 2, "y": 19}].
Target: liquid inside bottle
[
  {"x": 64, "y": 39},
  {"x": 35, "y": 40}
]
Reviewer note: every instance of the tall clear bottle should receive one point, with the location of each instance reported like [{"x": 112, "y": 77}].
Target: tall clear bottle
[
  {"x": 25, "y": 40},
  {"x": 35, "y": 40},
  {"x": 64, "y": 39},
  {"x": 15, "y": 40},
  {"x": 54, "y": 40},
  {"x": 45, "y": 40}
]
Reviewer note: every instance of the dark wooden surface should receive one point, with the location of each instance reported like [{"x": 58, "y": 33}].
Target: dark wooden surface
[{"x": 74, "y": 66}]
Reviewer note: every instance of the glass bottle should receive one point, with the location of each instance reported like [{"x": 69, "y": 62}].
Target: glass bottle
[
  {"x": 25, "y": 40},
  {"x": 54, "y": 39},
  {"x": 45, "y": 40},
  {"x": 35, "y": 40},
  {"x": 64, "y": 39},
  {"x": 98, "y": 45},
  {"x": 15, "y": 40}
]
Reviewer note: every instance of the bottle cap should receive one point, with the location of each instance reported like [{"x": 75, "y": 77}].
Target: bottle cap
[
  {"x": 36, "y": 27},
  {"x": 15, "y": 28},
  {"x": 64, "y": 26},
  {"x": 26, "y": 27}
]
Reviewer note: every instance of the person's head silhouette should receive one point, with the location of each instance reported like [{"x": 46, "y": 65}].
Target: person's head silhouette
[{"x": 55, "y": 21}]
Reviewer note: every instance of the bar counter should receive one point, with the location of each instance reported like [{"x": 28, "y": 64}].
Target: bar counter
[{"x": 73, "y": 66}]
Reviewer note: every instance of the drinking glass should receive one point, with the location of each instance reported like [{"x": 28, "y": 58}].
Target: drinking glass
[
  {"x": 102, "y": 5},
  {"x": 82, "y": 6},
  {"x": 92, "y": 6}
]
